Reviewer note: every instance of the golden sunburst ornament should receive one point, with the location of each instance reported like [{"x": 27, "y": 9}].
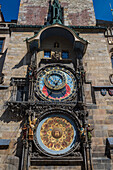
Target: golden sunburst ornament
[{"x": 56, "y": 133}]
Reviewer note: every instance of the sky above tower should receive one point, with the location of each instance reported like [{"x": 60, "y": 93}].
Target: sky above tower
[{"x": 102, "y": 8}]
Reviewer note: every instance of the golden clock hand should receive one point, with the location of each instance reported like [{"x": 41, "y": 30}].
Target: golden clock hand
[{"x": 57, "y": 82}]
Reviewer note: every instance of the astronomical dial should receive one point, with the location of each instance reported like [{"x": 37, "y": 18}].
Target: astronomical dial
[
  {"x": 55, "y": 80},
  {"x": 56, "y": 83},
  {"x": 56, "y": 134}
]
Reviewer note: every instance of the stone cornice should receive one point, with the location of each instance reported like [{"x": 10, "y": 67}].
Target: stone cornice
[{"x": 79, "y": 29}]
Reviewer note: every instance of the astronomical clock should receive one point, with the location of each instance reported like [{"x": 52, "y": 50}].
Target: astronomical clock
[
  {"x": 55, "y": 111},
  {"x": 56, "y": 123},
  {"x": 56, "y": 83},
  {"x": 50, "y": 99},
  {"x": 56, "y": 134}
]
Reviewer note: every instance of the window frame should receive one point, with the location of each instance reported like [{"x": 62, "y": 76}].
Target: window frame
[
  {"x": 50, "y": 54},
  {"x": 2, "y": 38},
  {"x": 65, "y": 51}
]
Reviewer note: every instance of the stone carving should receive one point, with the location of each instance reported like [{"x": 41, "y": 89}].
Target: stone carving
[
  {"x": 56, "y": 55},
  {"x": 89, "y": 132},
  {"x": 31, "y": 127},
  {"x": 82, "y": 133}
]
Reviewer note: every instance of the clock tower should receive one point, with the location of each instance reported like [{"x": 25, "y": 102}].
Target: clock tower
[
  {"x": 52, "y": 84},
  {"x": 56, "y": 111},
  {"x": 56, "y": 88}
]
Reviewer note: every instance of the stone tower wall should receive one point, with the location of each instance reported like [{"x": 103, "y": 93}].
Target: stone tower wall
[
  {"x": 98, "y": 67},
  {"x": 34, "y": 12}
]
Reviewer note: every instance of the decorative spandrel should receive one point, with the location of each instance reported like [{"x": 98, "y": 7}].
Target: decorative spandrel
[{"x": 57, "y": 133}]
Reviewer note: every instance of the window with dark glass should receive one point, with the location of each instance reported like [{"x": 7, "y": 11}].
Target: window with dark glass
[
  {"x": 112, "y": 60},
  {"x": 22, "y": 93},
  {"x": 1, "y": 44},
  {"x": 47, "y": 54},
  {"x": 65, "y": 55}
]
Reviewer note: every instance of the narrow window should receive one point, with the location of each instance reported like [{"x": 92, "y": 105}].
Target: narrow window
[
  {"x": 47, "y": 54},
  {"x": 22, "y": 93},
  {"x": 65, "y": 55},
  {"x": 1, "y": 44}
]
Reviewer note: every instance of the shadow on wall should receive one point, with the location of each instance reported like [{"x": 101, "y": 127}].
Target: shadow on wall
[
  {"x": 19, "y": 145},
  {"x": 14, "y": 161},
  {"x": 111, "y": 50},
  {"x": 9, "y": 116},
  {"x": 24, "y": 61}
]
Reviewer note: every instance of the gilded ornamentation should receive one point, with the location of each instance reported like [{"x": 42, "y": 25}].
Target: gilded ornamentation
[
  {"x": 56, "y": 133},
  {"x": 32, "y": 125}
]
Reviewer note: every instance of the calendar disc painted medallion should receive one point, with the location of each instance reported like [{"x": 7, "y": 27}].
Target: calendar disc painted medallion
[
  {"x": 56, "y": 83},
  {"x": 56, "y": 134}
]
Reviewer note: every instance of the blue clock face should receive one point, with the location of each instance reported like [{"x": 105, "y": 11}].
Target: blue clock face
[
  {"x": 56, "y": 84},
  {"x": 55, "y": 80}
]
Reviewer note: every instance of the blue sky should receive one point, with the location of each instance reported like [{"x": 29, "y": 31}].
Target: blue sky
[
  {"x": 10, "y": 9},
  {"x": 102, "y": 9}
]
